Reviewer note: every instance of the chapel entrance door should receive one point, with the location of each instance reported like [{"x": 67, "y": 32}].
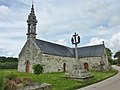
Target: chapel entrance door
[
  {"x": 64, "y": 67},
  {"x": 86, "y": 66},
  {"x": 27, "y": 66}
]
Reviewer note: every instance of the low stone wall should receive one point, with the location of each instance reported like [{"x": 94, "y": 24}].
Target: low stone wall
[
  {"x": 45, "y": 86},
  {"x": 37, "y": 86}
]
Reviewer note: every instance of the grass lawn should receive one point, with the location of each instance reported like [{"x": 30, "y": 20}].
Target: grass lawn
[{"x": 58, "y": 81}]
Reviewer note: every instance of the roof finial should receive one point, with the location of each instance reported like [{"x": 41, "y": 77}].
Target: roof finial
[
  {"x": 32, "y": 9},
  {"x": 32, "y": 2},
  {"x": 103, "y": 42}
]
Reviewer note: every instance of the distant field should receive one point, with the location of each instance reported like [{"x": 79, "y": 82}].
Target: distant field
[{"x": 58, "y": 81}]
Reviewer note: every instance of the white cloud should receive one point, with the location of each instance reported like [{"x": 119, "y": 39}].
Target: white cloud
[
  {"x": 94, "y": 5},
  {"x": 58, "y": 19},
  {"x": 95, "y": 41},
  {"x": 10, "y": 47},
  {"x": 114, "y": 21},
  {"x": 4, "y": 10},
  {"x": 100, "y": 30},
  {"x": 4, "y": 52},
  {"x": 61, "y": 41},
  {"x": 113, "y": 43}
]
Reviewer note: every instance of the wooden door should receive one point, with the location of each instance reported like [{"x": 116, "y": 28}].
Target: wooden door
[
  {"x": 64, "y": 67},
  {"x": 27, "y": 66},
  {"x": 86, "y": 66}
]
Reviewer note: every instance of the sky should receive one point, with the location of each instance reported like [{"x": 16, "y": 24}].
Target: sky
[{"x": 94, "y": 20}]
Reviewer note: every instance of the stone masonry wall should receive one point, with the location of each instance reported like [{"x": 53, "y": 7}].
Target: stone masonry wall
[
  {"x": 92, "y": 61},
  {"x": 31, "y": 53},
  {"x": 52, "y": 63},
  {"x": 105, "y": 60},
  {"x": 55, "y": 63}
]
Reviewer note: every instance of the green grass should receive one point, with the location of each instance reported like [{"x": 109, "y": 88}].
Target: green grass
[
  {"x": 1, "y": 81},
  {"x": 58, "y": 81}
]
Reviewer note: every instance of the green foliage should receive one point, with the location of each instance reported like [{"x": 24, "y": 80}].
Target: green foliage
[
  {"x": 1, "y": 82},
  {"x": 114, "y": 62},
  {"x": 117, "y": 55},
  {"x": 38, "y": 68},
  {"x": 11, "y": 76},
  {"x": 109, "y": 53},
  {"x": 59, "y": 82},
  {"x": 8, "y": 59},
  {"x": 110, "y": 61},
  {"x": 8, "y": 65}
]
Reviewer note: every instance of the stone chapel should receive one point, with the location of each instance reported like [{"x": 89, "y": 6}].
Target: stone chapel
[{"x": 55, "y": 57}]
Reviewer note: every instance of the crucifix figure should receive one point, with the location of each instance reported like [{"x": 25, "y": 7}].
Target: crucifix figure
[{"x": 76, "y": 40}]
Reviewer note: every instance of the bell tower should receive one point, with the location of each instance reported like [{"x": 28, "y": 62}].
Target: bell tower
[{"x": 32, "y": 22}]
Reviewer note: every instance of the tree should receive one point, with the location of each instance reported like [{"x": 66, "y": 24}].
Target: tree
[
  {"x": 109, "y": 54},
  {"x": 117, "y": 55},
  {"x": 38, "y": 69}
]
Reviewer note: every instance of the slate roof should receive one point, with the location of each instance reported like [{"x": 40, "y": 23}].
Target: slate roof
[
  {"x": 60, "y": 50},
  {"x": 91, "y": 51},
  {"x": 54, "y": 49}
]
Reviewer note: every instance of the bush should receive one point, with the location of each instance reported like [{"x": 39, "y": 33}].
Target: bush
[
  {"x": 114, "y": 62},
  {"x": 38, "y": 69},
  {"x": 8, "y": 65},
  {"x": 26, "y": 80},
  {"x": 11, "y": 76},
  {"x": 8, "y": 59}
]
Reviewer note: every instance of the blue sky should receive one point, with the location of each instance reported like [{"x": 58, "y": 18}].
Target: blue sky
[{"x": 94, "y": 20}]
